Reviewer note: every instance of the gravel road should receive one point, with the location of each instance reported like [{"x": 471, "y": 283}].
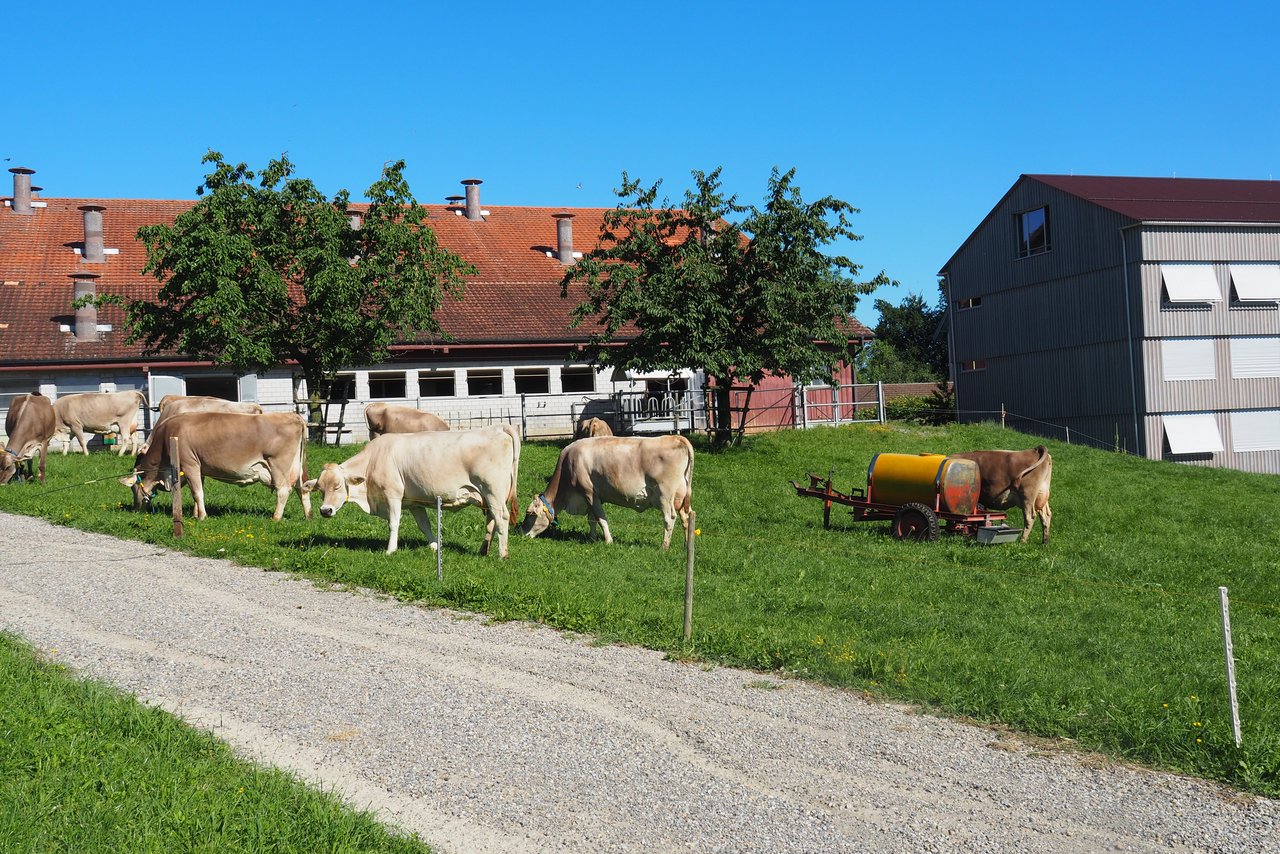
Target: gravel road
[{"x": 510, "y": 737}]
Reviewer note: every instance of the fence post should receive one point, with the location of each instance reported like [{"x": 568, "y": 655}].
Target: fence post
[
  {"x": 880, "y": 400},
  {"x": 524, "y": 421},
  {"x": 177, "y": 486},
  {"x": 439, "y": 543},
  {"x": 1002, "y": 416},
  {"x": 804, "y": 406},
  {"x": 1231, "y": 663},
  {"x": 1068, "y": 429},
  {"x": 690, "y": 535}
]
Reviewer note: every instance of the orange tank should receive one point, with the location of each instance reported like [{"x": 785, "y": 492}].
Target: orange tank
[{"x": 949, "y": 486}]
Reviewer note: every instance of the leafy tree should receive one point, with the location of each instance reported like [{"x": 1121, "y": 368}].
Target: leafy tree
[
  {"x": 254, "y": 277},
  {"x": 735, "y": 291},
  {"x": 910, "y": 343}
]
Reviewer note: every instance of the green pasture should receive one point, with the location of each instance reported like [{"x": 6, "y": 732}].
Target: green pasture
[{"x": 1109, "y": 637}]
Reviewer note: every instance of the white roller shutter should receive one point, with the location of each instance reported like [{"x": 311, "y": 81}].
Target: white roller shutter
[
  {"x": 1187, "y": 359},
  {"x": 1193, "y": 434},
  {"x": 1256, "y": 281},
  {"x": 1255, "y": 357},
  {"x": 1255, "y": 431},
  {"x": 1190, "y": 282}
]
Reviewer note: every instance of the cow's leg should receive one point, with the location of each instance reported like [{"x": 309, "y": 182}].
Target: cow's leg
[
  {"x": 424, "y": 524},
  {"x": 84, "y": 443},
  {"x": 495, "y": 511},
  {"x": 597, "y": 514},
  {"x": 1046, "y": 519},
  {"x": 196, "y": 482},
  {"x": 282, "y": 498},
  {"x": 44, "y": 452},
  {"x": 393, "y": 516},
  {"x": 1028, "y": 517}
]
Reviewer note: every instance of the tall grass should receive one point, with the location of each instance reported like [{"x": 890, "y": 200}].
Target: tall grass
[
  {"x": 85, "y": 769},
  {"x": 1109, "y": 636}
]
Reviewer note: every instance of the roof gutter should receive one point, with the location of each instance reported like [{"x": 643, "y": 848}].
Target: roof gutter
[{"x": 1128, "y": 322}]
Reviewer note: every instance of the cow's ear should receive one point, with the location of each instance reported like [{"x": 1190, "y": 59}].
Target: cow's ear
[
  {"x": 129, "y": 481},
  {"x": 310, "y": 485},
  {"x": 354, "y": 481}
]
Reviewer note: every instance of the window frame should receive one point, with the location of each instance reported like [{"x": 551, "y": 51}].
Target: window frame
[
  {"x": 540, "y": 376},
  {"x": 488, "y": 374},
  {"x": 380, "y": 378},
  {"x": 430, "y": 380},
  {"x": 1025, "y": 247},
  {"x": 586, "y": 372}
]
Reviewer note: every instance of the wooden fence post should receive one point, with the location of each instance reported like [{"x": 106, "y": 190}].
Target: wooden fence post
[
  {"x": 1231, "y": 662},
  {"x": 690, "y": 535},
  {"x": 176, "y": 492}
]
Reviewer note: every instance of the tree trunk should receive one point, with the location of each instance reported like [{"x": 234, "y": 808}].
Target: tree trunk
[
  {"x": 315, "y": 409},
  {"x": 723, "y": 431}
]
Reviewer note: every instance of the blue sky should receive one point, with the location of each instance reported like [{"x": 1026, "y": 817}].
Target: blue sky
[{"x": 922, "y": 115}]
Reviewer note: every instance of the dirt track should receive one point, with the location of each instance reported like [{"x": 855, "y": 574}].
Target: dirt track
[{"x": 512, "y": 737}]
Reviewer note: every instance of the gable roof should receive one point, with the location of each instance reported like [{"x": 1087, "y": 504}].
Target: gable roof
[
  {"x": 1175, "y": 199},
  {"x": 513, "y": 301}
]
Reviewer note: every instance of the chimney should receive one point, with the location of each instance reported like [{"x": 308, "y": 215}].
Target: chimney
[
  {"x": 564, "y": 237},
  {"x": 86, "y": 316},
  {"x": 93, "y": 252},
  {"x": 454, "y": 203},
  {"x": 355, "y": 219},
  {"x": 22, "y": 189},
  {"x": 473, "y": 198}
]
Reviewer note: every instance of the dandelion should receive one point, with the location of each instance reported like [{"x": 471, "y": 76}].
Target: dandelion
[
  {"x": 1193, "y": 696},
  {"x": 697, "y": 532},
  {"x": 1199, "y": 741},
  {"x": 1195, "y": 723},
  {"x": 250, "y": 536},
  {"x": 1166, "y": 705}
]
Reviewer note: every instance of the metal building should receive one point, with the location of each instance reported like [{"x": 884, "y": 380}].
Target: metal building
[{"x": 1136, "y": 313}]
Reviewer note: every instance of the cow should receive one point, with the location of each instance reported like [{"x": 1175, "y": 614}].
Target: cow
[
  {"x": 232, "y": 447},
  {"x": 100, "y": 412},
  {"x": 389, "y": 418},
  {"x": 28, "y": 427},
  {"x": 628, "y": 471},
  {"x": 588, "y": 427},
  {"x": 175, "y": 404},
  {"x": 461, "y": 467},
  {"x": 1016, "y": 479}
]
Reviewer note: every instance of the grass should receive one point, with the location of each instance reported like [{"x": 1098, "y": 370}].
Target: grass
[
  {"x": 85, "y": 769},
  {"x": 1110, "y": 636}
]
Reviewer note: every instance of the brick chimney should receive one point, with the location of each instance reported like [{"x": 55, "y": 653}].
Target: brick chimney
[
  {"x": 86, "y": 316},
  {"x": 93, "y": 246},
  {"x": 22, "y": 189},
  {"x": 564, "y": 237},
  {"x": 473, "y": 198}
]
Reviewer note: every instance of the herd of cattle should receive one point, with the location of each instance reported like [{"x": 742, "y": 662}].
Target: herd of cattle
[{"x": 413, "y": 458}]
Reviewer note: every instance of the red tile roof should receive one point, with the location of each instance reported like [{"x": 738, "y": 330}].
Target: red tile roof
[
  {"x": 513, "y": 301},
  {"x": 1175, "y": 199}
]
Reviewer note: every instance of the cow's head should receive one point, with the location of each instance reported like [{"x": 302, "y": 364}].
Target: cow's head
[
  {"x": 142, "y": 488},
  {"x": 8, "y": 466},
  {"x": 337, "y": 489},
  {"x": 540, "y": 516}
]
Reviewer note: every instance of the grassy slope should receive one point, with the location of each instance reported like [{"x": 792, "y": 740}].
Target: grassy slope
[{"x": 1109, "y": 636}]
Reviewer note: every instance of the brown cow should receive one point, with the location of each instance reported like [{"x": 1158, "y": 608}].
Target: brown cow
[
  {"x": 100, "y": 412},
  {"x": 588, "y": 427},
  {"x": 232, "y": 447},
  {"x": 389, "y": 418},
  {"x": 628, "y": 471},
  {"x": 28, "y": 427},
  {"x": 176, "y": 404},
  {"x": 1017, "y": 479}
]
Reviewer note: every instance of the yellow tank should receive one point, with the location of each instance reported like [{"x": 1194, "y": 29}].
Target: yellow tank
[{"x": 947, "y": 485}]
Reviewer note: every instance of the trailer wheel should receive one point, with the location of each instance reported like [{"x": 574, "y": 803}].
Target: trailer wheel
[{"x": 915, "y": 521}]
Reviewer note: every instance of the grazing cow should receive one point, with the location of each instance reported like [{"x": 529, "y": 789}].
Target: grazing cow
[
  {"x": 100, "y": 412},
  {"x": 175, "y": 404},
  {"x": 232, "y": 447},
  {"x": 395, "y": 470},
  {"x": 29, "y": 426},
  {"x": 389, "y": 418},
  {"x": 589, "y": 427},
  {"x": 1017, "y": 479},
  {"x": 629, "y": 471}
]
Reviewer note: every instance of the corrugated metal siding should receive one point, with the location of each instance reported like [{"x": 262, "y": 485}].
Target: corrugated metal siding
[
  {"x": 1222, "y": 392},
  {"x": 1210, "y": 243},
  {"x": 1223, "y": 317}
]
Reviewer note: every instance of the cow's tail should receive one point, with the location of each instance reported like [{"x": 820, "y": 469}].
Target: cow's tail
[
  {"x": 685, "y": 506},
  {"x": 1042, "y": 454},
  {"x": 512, "y": 498}
]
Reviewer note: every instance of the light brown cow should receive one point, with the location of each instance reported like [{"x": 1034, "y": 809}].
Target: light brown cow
[
  {"x": 389, "y": 418},
  {"x": 28, "y": 428},
  {"x": 100, "y": 412},
  {"x": 395, "y": 470},
  {"x": 232, "y": 447},
  {"x": 629, "y": 471},
  {"x": 175, "y": 404},
  {"x": 588, "y": 427},
  {"x": 1017, "y": 479}
]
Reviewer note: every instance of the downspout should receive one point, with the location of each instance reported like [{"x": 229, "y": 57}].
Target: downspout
[
  {"x": 951, "y": 344},
  {"x": 1128, "y": 322}
]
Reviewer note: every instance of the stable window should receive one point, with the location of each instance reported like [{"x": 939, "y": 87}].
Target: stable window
[
  {"x": 1187, "y": 359},
  {"x": 1193, "y": 434},
  {"x": 973, "y": 365},
  {"x": 1256, "y": 281},
  {"x": 436, "y": 384},
  {"x": 343, "y": 387},
  {"x": 1190, "y": 283},
  {"x": 972, "y": 302},
  {"x": 533, "y": 380},
  {"x": 1033, "y": 232},
  {"x": 1255, "y": 357},
  {"x": 1255, "y": 431},
  {"x": 386, "y": 384},
  {"x": 484, "y": 382},
  {"x": 224, "y": 387},
  {"x": 577, "y": 379}
]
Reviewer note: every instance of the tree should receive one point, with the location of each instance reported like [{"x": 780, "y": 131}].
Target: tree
[
  {"x": 910, "y": 343},
  {"x": 254, "y": 277},
  {"x": 737, "y": 292}
]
